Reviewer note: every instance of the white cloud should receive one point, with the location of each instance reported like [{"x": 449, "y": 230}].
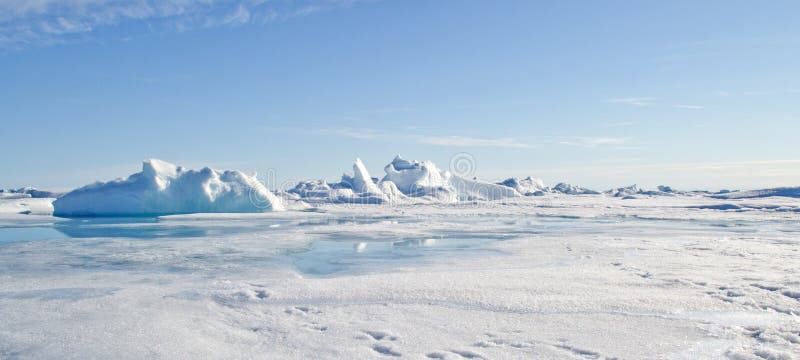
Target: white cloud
[
  {"x": 26, "y": 23},
  {"x": 445, "y": 140},
  {"x": 469, "y": 141},
  {"x": 689, "y": 107},
  {"x": 239, "y": 17},
  {"x": 591, "y": 142},
  {"x": 633, "y": 101},
  {"x": 355, "y": 134},
  {"x": 619, "y": 124}
]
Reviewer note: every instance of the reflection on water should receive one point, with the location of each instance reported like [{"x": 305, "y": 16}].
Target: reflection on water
[
  {"x": 19, "y": 234},
  {"x": 328, "y": 257},
  {"x": 336, "y": 245}
]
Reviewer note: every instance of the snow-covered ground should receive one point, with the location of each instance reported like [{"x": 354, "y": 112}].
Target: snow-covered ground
[{"x": 553, "y": 276}]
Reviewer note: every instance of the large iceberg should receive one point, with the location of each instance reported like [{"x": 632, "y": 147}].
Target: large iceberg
[
  {"x": 163, "y": 188},
  {"x": 420, "y": 179},
  {"x": 405, "y": 181}
]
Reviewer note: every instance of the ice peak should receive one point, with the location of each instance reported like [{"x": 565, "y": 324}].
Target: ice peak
[
  {"x": 362, "y": 182},
  {"x": 402, "y": 164},
  {"x": 159, "y": 168}
]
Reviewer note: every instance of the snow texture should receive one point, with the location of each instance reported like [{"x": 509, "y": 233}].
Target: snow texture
[{"x": 584, "y": 277}]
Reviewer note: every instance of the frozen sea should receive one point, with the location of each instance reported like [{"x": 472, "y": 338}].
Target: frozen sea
[{"x": 575, "y": 277}]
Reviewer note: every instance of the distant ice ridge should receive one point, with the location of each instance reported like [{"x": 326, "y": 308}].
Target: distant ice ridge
[
  {"x": 358, "y": 188},
  {"x": 528, "y": 186},
  {"x": 405, "y": 181},
  {"x": 27, "y": 192},
  {"x": 793, "y": 192},
  {"x": 163, "y": 188},
  {"x": 569, "y": 189}
]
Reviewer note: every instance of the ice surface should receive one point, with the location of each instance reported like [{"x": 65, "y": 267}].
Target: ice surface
[
  {"x": 547, "y": 277},
  {"x": 163, "y": 188}
]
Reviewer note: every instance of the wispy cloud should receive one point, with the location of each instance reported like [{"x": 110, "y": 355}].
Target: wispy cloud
[
  {"x": 355, "y": 134},
  {"x": 689, "y": 107},
  {"x": 25, "y": 23},
  {"x": 445, "y": 140},
  {"x": 633, "y": 101},
  {"x": 619, "y": 124},
  {"x": 761, "y": 92},
  {"x": 590, "y": 142},
  {"x": 470, "y": 141}
]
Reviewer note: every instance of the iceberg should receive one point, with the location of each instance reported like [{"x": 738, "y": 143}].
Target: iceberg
[
  {"x": 623, "y": 192},
  {"x": 162, "y": 188},
  {"x": 569, "y": 189},
  {"x": 470, "y": 190},
  {"x": 405, "y": 181},
  {"x": 528, "y": 186},
  {"x": 424, "y": 179},
  {"x": 362, "y": 182},
  {"x": 359, "y": 188},
  {"x": 633, "y": 190},
  {"x": 414, "y": 178}
]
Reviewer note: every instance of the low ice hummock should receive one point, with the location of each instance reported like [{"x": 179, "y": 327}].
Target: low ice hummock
[{"x": 163, "y": 188}]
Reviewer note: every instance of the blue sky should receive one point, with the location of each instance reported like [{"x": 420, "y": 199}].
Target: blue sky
[{"x": 686, "y": 93}]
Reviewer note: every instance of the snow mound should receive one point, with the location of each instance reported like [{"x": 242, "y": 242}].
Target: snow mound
[
  {"x": 321, "y": 190},
  {"x": 425, "y": 180},
  {"x": 569, "y": 189},
  {"x": 414, "y": 178},
  {"x": 793, "y": 192},
  {"x": 633, "y": 190},
  {"x": 358, "y": 188},
  {"x": 392, "y": 193},
  {"x": 469, "y": 190},
  {"x": 625, "y": 191},
  {"x": 162, "y": 188},
  {"x": 528, "y": 186}
]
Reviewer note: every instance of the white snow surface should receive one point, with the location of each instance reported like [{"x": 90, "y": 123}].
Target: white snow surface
[
  {"x": 164, "y": 188},
  {"x": 549, "y": 277}
]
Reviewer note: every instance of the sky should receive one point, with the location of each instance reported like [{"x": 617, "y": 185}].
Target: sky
[{"x": 692, "y": 94}]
